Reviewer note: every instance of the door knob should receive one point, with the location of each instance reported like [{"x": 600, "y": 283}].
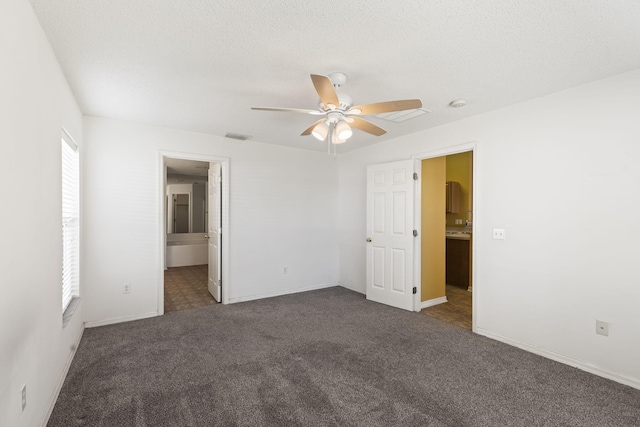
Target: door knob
[{"x": 369, "y": 239}]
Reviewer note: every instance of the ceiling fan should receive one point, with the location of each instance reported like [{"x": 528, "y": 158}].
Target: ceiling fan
[{"x": 339, "y": 114}]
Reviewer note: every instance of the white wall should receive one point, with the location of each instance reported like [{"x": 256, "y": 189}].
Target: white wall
[
  {"x": 561, "y": 175},
  {"x": 35, "y": 103},
  {"x": 282, "y": 213}
]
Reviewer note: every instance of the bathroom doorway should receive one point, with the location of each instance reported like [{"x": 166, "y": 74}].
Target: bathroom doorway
[
  {"x": 446, "y": 199},
  {"x": 187, "y": 260},
  {"x": 191, "y": 204}
]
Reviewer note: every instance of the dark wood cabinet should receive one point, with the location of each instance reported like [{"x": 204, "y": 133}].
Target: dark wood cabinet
[{"x": 458, "y": 262}]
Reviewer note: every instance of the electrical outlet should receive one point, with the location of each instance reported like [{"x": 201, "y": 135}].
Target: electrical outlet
[
  {"x": 458, "y": 222},
  {"x": 126, "y": 288},
  {"x": 498, "y": 234},
  {"x": 24, "y": 396},
  {"x": 602, "y": 328}
]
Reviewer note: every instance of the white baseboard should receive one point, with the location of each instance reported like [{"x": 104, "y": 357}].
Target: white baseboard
[
  {"x": 582, "y": 365},
  {"x": 115, "y": 320},
  {"x": 63, "y": 376},
  {"x": 279, "y": 293},
  {"x": 432, "y": 302},
  {"x": 352, "y": 288}
]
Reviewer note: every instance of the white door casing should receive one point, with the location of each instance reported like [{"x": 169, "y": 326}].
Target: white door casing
[
  {"x": 390, "y": 239},
  {"x": 214, "y": 231}
]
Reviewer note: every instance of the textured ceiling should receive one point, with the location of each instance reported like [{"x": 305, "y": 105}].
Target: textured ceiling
[
  {"x": 200, "y": 65},
  {"x": 186, "y": 167}
]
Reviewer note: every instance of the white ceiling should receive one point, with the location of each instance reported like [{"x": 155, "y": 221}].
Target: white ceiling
[
  {"x": 186, "y": 167},
  {"x": 200, "y": 65}
]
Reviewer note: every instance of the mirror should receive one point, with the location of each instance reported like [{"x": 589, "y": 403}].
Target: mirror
[
  {"x": 186, "y": 196},
  {"x": 181, "y": 218},
  {"x": 186, "y": 208}
]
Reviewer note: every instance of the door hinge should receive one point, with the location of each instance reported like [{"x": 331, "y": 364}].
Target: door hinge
[
  {"x": 415, "y": 290},
  {"x": 415, "y": 233},
  {"x": 415, "y": 176}
]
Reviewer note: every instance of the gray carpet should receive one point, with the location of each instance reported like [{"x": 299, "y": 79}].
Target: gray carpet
[{"x": 327, "y": 358}]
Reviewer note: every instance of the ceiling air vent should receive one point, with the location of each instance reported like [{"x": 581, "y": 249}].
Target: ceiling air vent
[
  {"x": 402, "y": 116},
  {"x": 237, "y": 136}
]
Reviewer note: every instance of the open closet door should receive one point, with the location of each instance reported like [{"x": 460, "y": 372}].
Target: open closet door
[
  {"x": 390, "y": 211},
  {"x": 214, "y": 231}
]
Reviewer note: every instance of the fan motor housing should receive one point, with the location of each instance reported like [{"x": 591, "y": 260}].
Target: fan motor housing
[{"x": 337, "y": 79}]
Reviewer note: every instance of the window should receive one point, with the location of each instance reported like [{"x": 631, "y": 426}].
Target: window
[{"x": 70, "y": 220}]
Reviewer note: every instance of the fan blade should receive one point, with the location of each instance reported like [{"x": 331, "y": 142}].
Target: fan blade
[
  {"x": 367, "y": 126},
  {"x": 310, "y": 128},
  {"x": 325, "y": 90},
  {"x": 386, "y": 107},
  {"x": 291, "y": 110}
]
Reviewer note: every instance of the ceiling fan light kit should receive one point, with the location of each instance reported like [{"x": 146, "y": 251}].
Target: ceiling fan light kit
[
  {"x": 335, "y": 137},
  {"x": 320, "y": 131},
  {"x": 339, "y": 111},
  {"x": 343, "y": 130}
]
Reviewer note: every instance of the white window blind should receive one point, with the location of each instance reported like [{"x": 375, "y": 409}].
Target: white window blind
[{"x": 70, "y": 220}]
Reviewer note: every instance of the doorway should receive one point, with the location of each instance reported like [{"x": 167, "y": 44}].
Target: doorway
[
  {"x": 405, "y": 256},
  {"x": 189, "y": 211},
  {"x": 187, "y": 261},
  {"x": 446, "y": 245}
]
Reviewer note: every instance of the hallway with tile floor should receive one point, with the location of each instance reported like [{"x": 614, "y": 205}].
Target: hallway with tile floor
[
  {"x": 457, "y": 309},
  {"x": 186, "y": 287}
]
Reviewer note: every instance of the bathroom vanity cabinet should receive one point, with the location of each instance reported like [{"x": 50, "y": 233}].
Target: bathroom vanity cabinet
[{"x": 458, "y": 263}]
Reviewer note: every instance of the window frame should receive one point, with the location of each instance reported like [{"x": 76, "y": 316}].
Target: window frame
[{"x": 70, "y": 225}]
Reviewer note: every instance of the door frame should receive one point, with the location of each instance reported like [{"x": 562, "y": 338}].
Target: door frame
[
  {"x": 224, "y": 163},
  {"x": 440, "y": 152}
]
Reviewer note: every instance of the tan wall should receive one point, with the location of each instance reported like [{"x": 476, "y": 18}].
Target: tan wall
[
  {"x": 460, "y": 169},
  {"x": 433, "y": 228}
]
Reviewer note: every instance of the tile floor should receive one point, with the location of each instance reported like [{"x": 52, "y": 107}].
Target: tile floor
[
  {"x": 186, "y": 287},
  {"x": 457, "y": 309}
]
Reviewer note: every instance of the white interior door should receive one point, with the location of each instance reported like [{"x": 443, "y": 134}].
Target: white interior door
[
  {"x": 390, "y": 203},
  {"x": 215, "y": 230}
]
